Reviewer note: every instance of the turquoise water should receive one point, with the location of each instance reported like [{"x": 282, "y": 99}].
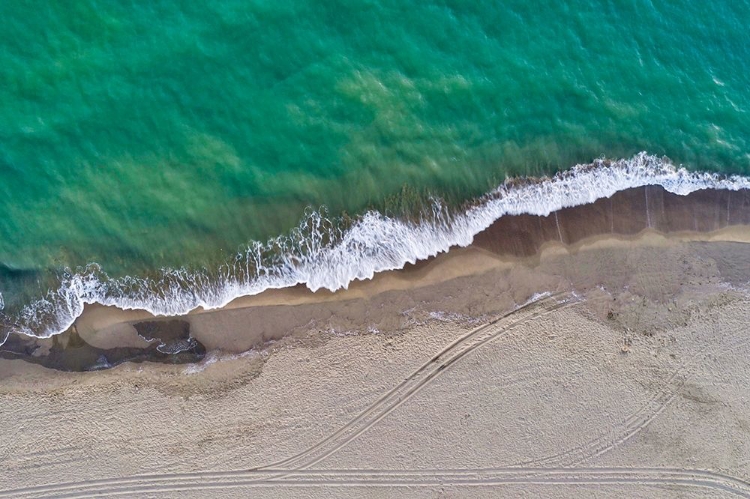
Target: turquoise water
[{"x": 148, "y": 134}]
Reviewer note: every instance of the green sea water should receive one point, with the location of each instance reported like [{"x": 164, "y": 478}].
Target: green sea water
[{"x": 167, "y": 133}]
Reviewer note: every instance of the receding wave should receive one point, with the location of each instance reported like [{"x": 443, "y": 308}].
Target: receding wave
[{"x": 321, "y": 254}]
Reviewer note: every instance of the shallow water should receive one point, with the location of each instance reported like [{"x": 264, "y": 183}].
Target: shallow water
[{"x": 143, "y": 135}]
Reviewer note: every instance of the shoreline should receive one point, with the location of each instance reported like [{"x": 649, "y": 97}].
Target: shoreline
[
  {"x": 104, "y": 336},
  {"x": 331, "y": 254},
  {"x": 638, "y": 362}
]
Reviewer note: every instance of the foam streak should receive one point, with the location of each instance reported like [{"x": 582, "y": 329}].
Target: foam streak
[{"x": 319, "y": 256}]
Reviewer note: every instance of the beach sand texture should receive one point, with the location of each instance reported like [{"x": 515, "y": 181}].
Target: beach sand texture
[
  {"x": 378, "y": 249},
  {"x": 628, "y": 379}
]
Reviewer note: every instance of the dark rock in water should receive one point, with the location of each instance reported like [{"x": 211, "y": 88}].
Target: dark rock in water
[
  {"x": 171, "y": 343},
  {"x": 176, "y": 346},
  {"x": 171, "y": 336}
]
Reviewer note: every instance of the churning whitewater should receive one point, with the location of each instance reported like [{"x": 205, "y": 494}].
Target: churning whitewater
[{"x": 322, "y": 256}]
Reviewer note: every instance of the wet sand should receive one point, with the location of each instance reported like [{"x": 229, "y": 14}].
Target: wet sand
[
  {"x": 106, "y": 336},
  {"x": 629, "y": 379}
]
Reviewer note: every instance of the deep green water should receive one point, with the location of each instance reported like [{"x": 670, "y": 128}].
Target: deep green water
[{"x": 141, "y": 134}]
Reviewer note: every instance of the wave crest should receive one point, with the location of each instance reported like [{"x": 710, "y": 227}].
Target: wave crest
[{"x": 323, "y": 255}]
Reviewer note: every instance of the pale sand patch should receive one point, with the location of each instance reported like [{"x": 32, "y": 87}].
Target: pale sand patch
[
  {"x": 109, "y": 327},
  {"x": 642, "y": 387}
]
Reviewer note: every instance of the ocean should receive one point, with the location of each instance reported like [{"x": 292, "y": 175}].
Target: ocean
[{"x": 169, "y": 155}]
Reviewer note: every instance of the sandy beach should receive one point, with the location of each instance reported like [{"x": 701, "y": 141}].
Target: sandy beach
[
  {"x": 583, "y": 362},
  {"x": 382, "y": 249}
]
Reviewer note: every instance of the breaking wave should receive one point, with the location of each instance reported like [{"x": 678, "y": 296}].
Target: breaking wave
[{"x": 322, "y": 255}]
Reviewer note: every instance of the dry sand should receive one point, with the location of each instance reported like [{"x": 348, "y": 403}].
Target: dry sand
[{"x": 631, "y": 379}]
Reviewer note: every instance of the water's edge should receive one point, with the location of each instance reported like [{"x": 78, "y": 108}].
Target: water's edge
[{"x": 320, "y": 255}]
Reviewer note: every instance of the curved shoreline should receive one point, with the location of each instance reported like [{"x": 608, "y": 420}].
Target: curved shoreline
[
  {"x": 320, "y": 254},
  {"x": 640, "y": 217}
]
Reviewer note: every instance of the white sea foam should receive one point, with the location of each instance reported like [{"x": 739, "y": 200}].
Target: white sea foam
[
  {"x": 375, "y": 243},
  {"x": 217, "y": 356}
]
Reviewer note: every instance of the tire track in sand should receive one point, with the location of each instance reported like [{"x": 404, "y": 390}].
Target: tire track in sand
[
  {"x": 420, "y": 378},
  {"x": 640, "y": 419},
  {"x": 687, "y": 478},
  {"x": 280, "y": 474},
  {"x": 374, "y": 413}
]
